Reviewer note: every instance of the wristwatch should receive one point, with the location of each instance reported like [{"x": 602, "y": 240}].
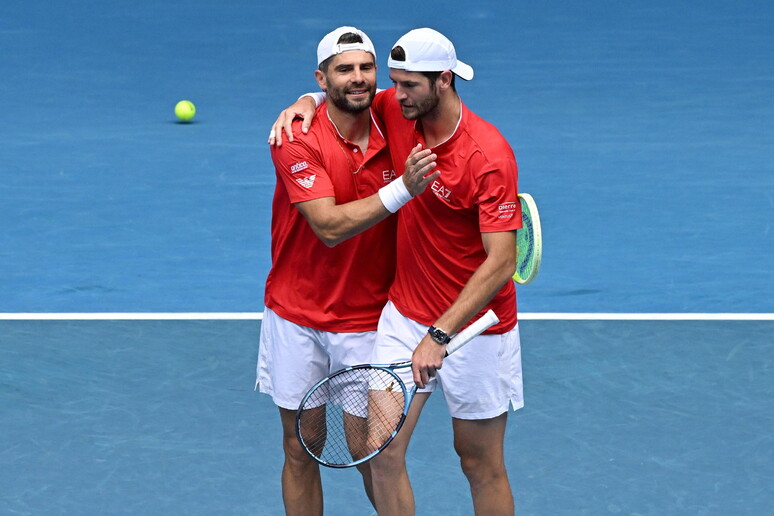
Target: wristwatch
[{"x": 438, "y": 335}]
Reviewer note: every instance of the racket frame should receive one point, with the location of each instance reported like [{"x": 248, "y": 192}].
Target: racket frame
[
  {"x": 537, "y": 239},
  {"x": 407, "y": 396}
]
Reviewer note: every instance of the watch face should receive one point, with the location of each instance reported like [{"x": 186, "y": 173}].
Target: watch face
[{"x": 438, "y": 335}]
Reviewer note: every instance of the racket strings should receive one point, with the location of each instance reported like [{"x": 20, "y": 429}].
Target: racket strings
[
  {"x": 526, "y": 242},
  {"x": 351, "y": 416}
]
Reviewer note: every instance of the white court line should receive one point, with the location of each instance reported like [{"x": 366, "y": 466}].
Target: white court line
[
  {"x": 646, "y": 317},
  {"x": 233, "y": 316},
  {"x": 131, "y": 316}
]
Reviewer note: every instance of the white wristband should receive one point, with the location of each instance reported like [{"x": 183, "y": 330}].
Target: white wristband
[
  {"x": 394, "y": 195},
  {"x": 318, "y": 97}
]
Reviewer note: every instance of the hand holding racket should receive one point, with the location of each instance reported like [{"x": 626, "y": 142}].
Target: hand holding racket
[
  {"x": 529, "y": 240},
  {"x": 353, "y": 414}
]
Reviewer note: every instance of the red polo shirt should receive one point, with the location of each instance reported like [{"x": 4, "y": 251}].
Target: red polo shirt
[
  {"x": 439, "y": 231},
  {"x": 339, "y": 289}
]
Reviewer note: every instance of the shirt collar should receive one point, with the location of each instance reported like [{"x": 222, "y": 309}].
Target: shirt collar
[{"x": 376, "y": 139}]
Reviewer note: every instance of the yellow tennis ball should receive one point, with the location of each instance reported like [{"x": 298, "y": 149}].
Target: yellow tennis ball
[{"x": 185, "y": 110}]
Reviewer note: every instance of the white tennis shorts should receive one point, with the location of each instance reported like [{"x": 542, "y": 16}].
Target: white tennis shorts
[
  {"x": 292, "y": 358},
  {"x": 479, "y": 381}
]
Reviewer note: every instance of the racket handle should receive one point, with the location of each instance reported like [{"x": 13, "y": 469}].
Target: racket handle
[{"x": 486, "y": 321}]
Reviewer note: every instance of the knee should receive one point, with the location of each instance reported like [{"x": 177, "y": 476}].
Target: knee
[
  {"x": 480, "y": 467},
  {"x": 295, "y": 455},
  {"x": 471, "y": 465},
  {"x": 387, "y": 463}
]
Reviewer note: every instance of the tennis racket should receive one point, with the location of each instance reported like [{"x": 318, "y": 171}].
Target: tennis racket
[
  {"x": 529, "y": 240},
  {"x": 347, "y": 418}
]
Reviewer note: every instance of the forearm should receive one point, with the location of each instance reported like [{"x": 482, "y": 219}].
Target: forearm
[
  {"x": 494, "y": 272},
  {"x": 334, "y": 224},
  {"x": 485, "y": 282}
]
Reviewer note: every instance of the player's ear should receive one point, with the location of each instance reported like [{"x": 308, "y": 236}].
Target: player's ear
[
  {"x": 443, "y": 82},
  {"x": 319, "y": 76}
]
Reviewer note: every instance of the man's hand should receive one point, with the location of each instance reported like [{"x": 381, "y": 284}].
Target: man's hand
[
  {"x": 302, "y": 108},
  {"x": 426, "y": 360},
  {"x": 419, "y": 163}
]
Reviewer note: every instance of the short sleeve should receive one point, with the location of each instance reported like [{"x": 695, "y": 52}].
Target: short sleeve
[
  {"x": 301, "y": 170},
  {"x": 499, "y": 208}
]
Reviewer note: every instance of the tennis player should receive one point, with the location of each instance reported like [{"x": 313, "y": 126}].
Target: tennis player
[
  {"x": 333, "y": 247},
  {"x": 456, "y": 256}
]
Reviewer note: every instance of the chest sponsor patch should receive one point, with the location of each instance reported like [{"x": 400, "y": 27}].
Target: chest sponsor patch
[
  {"x": 440, "y": 190},
  {"x": 298, "y": 167}
]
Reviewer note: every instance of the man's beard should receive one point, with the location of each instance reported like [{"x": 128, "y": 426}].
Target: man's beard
[
  {"x": 339, "y": 99},
  {"x": 423, "y": 107}
]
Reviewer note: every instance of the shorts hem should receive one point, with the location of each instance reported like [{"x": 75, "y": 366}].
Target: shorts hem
[
  {"x": 280, "y": 403},
  {"x": 513, "y": 405}
]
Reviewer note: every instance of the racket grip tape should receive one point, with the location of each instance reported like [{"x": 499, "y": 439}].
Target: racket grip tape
[{"x": 486, "y": 321}]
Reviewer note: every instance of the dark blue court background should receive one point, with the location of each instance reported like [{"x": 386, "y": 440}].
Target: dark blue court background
[{"x": 642, "y": 129}]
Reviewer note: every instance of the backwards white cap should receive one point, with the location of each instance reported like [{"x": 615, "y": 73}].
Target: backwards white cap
[
  {"x": 329, "y": 45},
  {"x": 428, "y": 50}
]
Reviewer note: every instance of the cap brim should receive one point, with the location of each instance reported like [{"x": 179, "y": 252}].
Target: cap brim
[{"x": 463, "y": 70}]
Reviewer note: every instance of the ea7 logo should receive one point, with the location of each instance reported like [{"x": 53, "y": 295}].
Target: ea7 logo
[
  {"x": 307, "y": 182},
  {"x": 440, "y": 190},
  {"x": 388, "y": 175},
  {"x": 298, "y": 167}
]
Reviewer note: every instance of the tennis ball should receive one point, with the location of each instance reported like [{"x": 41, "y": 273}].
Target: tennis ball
[{"x": 185, "y": 110}]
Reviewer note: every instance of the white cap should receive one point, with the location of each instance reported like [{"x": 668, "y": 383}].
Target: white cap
[
  {"x": 428, "y": 50},
  {"x": 329, "y": 45}
]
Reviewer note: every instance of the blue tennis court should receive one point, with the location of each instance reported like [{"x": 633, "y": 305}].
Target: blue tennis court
[{"x": 642, "y": 130}]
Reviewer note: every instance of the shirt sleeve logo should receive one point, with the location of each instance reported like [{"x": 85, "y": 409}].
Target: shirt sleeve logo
[
  {"x": 298, "y": 167},
  {"x": 506, "y": 210},
  {"x": 307, "y": 182}
]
